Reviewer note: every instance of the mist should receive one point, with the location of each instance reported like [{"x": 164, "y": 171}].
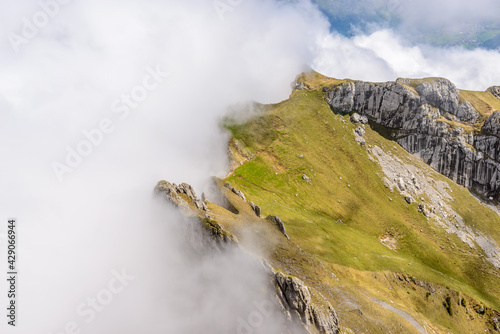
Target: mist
[
  {"x": 100, "y": 101},
  {"x": 99, "y": 104}
]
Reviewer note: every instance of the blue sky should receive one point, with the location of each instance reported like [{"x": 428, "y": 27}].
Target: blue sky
[{"x": 442, "y": 22}]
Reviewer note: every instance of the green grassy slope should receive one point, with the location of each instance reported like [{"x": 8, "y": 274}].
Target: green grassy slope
[{"x": 338, "y": 218}]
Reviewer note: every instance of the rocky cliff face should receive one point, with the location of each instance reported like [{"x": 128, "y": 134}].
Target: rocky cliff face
[
  {"x": 173, "y": 193},
  {"x": 184, "y": 198},
  {"x": 495, "y": 90},
  {"x": 295, "y": 297},
  {"x": 429, "y": 119}
]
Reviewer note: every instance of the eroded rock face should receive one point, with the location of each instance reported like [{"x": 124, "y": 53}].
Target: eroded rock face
[
  {"x": 357, "y": 118},
  {"x": 495, "y": 90},
  {"x": 236, "y": 191},
  {"x": 279, "y": 224},
  {"x": 442, "y": 94},
  {"x": 359, "y": 132},
  {"x": 184, "y": 198},
  {"x": 255, "y": 208},
  {"x": 296, "y": 299},
  {"x": 492, "y": 124},
  {"x": 428, "y": 119},
  {"x": 171, "y": 191}
]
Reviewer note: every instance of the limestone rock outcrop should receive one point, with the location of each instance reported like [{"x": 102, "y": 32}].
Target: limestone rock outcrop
[
  {"x": 173, "y": 192},
  {"x": 236, "y": 191},
  {"x": 256, "y": 209},
  {"x": 279, "y": 224},
  {"x": 430, "y": 120},
  {"x": 357, "y": 118},
  {"x": 492, "y": 124},
  {"x": 495, "y": 90},
  {"x": 184, "y": 198},
  {"x": 296, "y": 298}
]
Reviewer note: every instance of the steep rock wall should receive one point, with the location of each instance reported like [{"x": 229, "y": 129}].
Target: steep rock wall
[{"x": 429, "y": 119}]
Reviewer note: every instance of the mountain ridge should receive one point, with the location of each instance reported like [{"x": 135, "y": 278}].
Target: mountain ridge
[
  {"x": 432, "y": 119},
  {"x": 369, "y": 224}
]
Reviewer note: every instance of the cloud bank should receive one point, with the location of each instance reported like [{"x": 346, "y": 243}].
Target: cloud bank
[
  {"x": 98, "y": 104},
  {"x": 385, "y": 56}
]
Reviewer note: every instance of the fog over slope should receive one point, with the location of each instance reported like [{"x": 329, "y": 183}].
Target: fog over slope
[{"x": 137, "y": 90}]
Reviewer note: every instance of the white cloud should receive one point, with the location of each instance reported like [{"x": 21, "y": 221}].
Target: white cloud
[
  {"x": 102, "y": 217},
  {"x": 384, "y": 56},
  {"x": 450, "y": 15}
]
